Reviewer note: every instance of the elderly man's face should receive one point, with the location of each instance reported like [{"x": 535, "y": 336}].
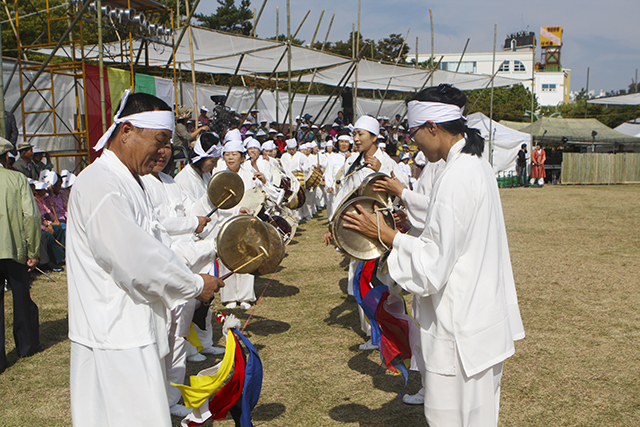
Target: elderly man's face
[
  {"x": 145, "y": 148},
  {"x": 27, "y": 155}
]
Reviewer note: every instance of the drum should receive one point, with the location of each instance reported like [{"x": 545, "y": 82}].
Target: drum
[
  {"x": 299, "y": 175},
  {"x": 351, "y": 242},
  {"x": 287, "y": 185},
  {"x": 314, "y": 179},
  {"x": 253, "y": 200}
]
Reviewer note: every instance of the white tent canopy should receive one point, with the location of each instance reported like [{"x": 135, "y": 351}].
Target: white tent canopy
[
  {"x": 375, "y": 75},
  {"x": 218, "y": 52},
  {"x": 631, "y": 128},
  {"x": 631, "y": 99},
  {"x": 506, "y": 142}
]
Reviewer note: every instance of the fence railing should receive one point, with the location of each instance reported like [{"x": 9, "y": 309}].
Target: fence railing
[{"x": 600, "y": 168}]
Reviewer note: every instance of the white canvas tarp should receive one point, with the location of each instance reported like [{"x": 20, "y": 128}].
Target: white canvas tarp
[
  {"x": 631, "y": 99},
  {"x": 629, "y": 128},
  {"x": 374, "y": 75},
  {"x": 506, "y": 142},
  {"x": 217, "y": 52}
]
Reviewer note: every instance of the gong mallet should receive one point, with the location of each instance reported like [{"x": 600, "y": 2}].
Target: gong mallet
[
  {"x": 263, "y": 253},
  {"x": 231, "y": 194}
]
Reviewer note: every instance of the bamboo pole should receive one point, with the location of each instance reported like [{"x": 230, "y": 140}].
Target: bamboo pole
[
  {"x": 395, "y": 63},
  {"x": 103, "y": 106},
  {"x": 462, "y": 56},
  {"x": 493, "y": 69},
  {"x": 416, "y": 52},
  {"x": 432, "y": 43},
  {"x": 193, "y": 67},
  {"x": 257, "y": 21},
  {"x": 355, "y": 88},
  {"x": 289, "y": 66},
  {"x": 176, "y": 45}
]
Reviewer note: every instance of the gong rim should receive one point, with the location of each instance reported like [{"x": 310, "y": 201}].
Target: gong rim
[
  {"x": 218, "y": 189},
  {"x": 275, "y": 251},
  {"x": 366, "y": 188},
  {"x": 353, "y": 243}
]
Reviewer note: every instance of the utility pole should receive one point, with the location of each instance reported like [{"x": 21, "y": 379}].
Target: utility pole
[{"x": 587, "y": 95}]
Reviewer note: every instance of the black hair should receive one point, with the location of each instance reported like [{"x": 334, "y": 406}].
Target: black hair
[
  {"x": 207, "y": 140},
  {"x": 448, "y": 94},
  {"x": 139, "y": 103},
  {"x": 523, "y": 146}
]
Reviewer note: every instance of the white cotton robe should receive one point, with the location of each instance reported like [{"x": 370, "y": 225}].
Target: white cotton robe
[
  {"x": 121, "y": 281},
  {"x": 461, "y": 269}
]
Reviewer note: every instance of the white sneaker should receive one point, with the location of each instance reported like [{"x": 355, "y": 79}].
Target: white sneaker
[
  {"x": 245, "y": 306},
  {"x": 197, "y": 358},
  {"x": 231, "y": 305},
  {"x": 414, "y": 399},
  {"x": 179, "y": 410},
  {"x": 215, "y": 351},
  {"x": 368, "y": 346}
]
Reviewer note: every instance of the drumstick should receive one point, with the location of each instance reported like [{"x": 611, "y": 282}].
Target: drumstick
[
  {"x": 231, "y": 193},
  {"x": 261, "y": 254}
]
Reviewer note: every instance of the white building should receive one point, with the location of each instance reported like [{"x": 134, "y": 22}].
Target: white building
[{"x": 551, "y": 87}]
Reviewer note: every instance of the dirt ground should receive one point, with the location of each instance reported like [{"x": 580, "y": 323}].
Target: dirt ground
[{"x": 576, "y": 259}]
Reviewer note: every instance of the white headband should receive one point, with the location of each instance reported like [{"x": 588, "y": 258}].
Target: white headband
[
  {"x": 213, "y": 151},
  {"x": 146, "y": 120},
  {"x": 421, "y": 111}
]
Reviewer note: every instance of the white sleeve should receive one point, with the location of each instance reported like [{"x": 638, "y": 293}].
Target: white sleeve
[
  {"x": 417, "y": 207},
  {"x": 138, "y": 263},
  {"x": 422, "y": 265}
]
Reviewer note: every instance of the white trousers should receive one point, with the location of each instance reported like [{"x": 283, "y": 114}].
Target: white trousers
[
  {"x": 176, "y": 366},
  {"x": 461, "y": 401},
  {"x": 238, "y": 287},
  {"x": 115, "y": 388}
]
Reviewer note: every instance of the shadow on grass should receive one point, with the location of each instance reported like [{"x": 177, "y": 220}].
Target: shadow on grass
[
  {"x": 265, "y": 327},
  {"x": 268, "y": 411},
  {"x": 345, "y": 315},
  {"x": 391, "y": 414},
  {"x": 276, "y": 289},
  {"x": 50, "y": 333}
]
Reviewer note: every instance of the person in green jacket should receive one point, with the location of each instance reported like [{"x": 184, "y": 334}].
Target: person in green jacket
[{"x": 19, "y": 248}]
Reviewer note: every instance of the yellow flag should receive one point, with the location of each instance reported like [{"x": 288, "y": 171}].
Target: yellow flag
[
  {"x": 193, "y": 339},
  {"x": 205, "y": 386}
]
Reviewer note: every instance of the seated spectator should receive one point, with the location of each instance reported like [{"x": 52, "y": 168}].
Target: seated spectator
[
  {"x": 25, "y": 163},
  {"x": 52, "y": 250},
  {"x": 38, "y": 154},
  {"x": 54, "y": 198}
]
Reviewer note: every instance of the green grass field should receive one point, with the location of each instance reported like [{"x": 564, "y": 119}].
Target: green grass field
[{"x": 576, "y": 259}]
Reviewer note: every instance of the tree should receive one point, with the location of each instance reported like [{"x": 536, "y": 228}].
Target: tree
[
  {"x": 229, "y": 17},
  {"x": 389, "y": 48},
  {"x": 509, "y": 102},
  {"x": 283, "y": 37}
]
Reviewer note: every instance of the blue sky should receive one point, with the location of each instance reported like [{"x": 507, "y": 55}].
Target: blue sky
[{"x": 601, "y": 35}]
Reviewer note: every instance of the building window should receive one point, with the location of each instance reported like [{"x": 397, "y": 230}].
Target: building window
[
  {"x": 548, "y": 87},
  {"x": 465, "y": 66},
  {"x": 518, "y": 66},
  {"x": 504, "y": 67}
]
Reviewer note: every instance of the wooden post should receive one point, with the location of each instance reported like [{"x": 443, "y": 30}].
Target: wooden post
[
  {"x": 103, "y": 106},
  {"x": 355, "y": 88},
  {"x": 432, "y": 44},
  {"x": 193, "y": 68}
]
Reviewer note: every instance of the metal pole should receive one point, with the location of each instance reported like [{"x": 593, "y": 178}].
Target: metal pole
[
  {"x": 103, "y": 104},
  {"x": 493, "y": 71},
  {"x": 84, "y": 7},
  {"x": 184, "y": 29}
]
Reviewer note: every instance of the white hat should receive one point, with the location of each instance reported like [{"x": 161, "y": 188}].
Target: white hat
[
  {"x": 344, "y": 138},
  {"x": 264, "y": 121},
  {"x": 314, "y": 127},
  {"x": 329, "y": 144},
  {"x": 382, "y": 145},
  {"x": 268, "y": 145},
  {"x": 64, "y": 173},
  {"x": 247, "y": 123},
  {"x": 233, "y": 135},
  {"x": 405, "y": 156},
  {"x": 292, "y": 143},
  {"x": 251, "y": 143},
  {"x": 272, "y": 130},
  {"x": 279, "y": 134},
  {"x": 368, "y": 123},
  {"x": 335, "y": 125},
  {"x": 37, "y": 150},
  {"x": 41, "y": 185},
  {"x": 304, "y": 125},
  {"x": 261, "y": 133},
  {"x": 203, "y": 108},
  {"x": 68, "y": 180},
  {"x": 298, "y": 117},
  {"x": 234, "y": 145}
]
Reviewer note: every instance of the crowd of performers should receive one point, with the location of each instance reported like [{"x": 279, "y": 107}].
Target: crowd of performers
[{"x": 141, "y": 250}]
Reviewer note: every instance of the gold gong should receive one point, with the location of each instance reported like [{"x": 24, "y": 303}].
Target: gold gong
[
  {"x": 225, "y": 189},
  {"x": 366, "y": 188},
  {"x": 275, "y": 251},
  {"x": 243, "y": 244},
  {"x": 351, "y": 242}
]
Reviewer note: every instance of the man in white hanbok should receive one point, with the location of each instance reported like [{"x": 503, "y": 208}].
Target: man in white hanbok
[
  {"x": 121, "y": 278},
  {"x": 459, "y": 267}
]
